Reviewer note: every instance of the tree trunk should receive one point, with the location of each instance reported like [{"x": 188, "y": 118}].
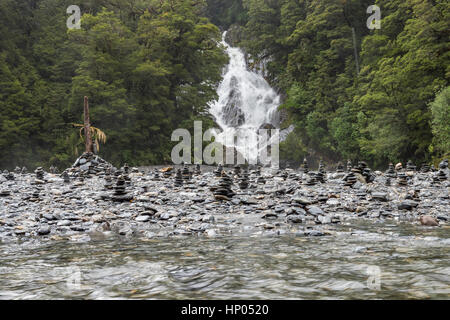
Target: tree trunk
[
  {"x": 356, "y": 51},
  {"x": 87, "y": 126}
]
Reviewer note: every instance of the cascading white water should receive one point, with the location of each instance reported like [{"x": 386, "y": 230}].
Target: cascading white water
[{"x": 246, "y": 103}]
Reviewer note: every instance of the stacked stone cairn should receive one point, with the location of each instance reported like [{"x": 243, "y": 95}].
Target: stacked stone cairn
[
  {"x": 350, "y": 179},
  {"x": 425, "y": 168},
  {"x": 340, "y": 168},
  {"x": 90, "y": 164},
  {"x": 24, "y": 170},
  {"x": 305, "y": 167},
  {"x": 134, "y": 170},
  {"x": 108, "y": 181},
  {"x": 391, "y": 171},
  {"x": 311, "y": 181},
  {"x": 82, "y": 175},
  {"x": 358, "y": 169},
  {"x": 178, "y": 182},
  {"x": 117, "y": 174},
  {"x": 36, "y": 195},
  {"x": 218, "y": 171},
  {"x": 441, "y": 175},
  {"x": 443, "y": 165},
  {"x": 17, "y": 170},
  {"x": 237, "y": 170},
  {"x": 167, "y": 173},
  {"x": 65, "y": 177},
  {"x": 366, "y": 172},
  {"x": 244, "y": 180},
  {"x": 320, "y": 175},
  {"x": 186, "y": 173},
  {"x": 410, "y": 166},
  {"x": 436, "y": 179},
  {"x": 39, "y": 173},
  {"x": 198, "y": 170},
  {"x": 321, "y": 166},
  {"x": 349, "y": 166},
  {"x": 126, "y": 172},
  {"x": 9, "y": 176},
  {"x": 402, "y": 180},
  {"x": 156, "y": 176},
  {"x": 53, "y": 170},
  {"x": 224, "y": 191},
  {"x": 120, "y": 193}
]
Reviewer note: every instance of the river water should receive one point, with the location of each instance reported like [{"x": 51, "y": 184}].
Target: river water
[{"x": 406, "y": 261}]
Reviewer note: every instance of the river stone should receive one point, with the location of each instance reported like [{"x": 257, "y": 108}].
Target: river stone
[
  {"x": 78, "y": 228},
  {"x": 295, "y": 211},
  {"x": 20, "y": 232},
  {"x": 211, "y": 233},
  {"x": 48, "y": 216},
  {"x": 209, "y": 219},
  {"x": 333, "y": 202},
  {"x": 56, "y": 192},
  {"x": 64, "y": 223},
  {"x": 324, "y": 219},
  {"x": 143, "y": 218},
  {"x": 303, "y": 201},
  {"x": 429, "y": 221},
  {"x": 5, "y": 193},
  {"x": 236, "y": 201},
  {"x": 408, "y": 205},
  {"x": 125, "y": 230},
  {"x": 314, "y": 233},
  {"x": 269, "y": 215},
  {"x": 295, "y": 219},
  {"x": 164, "y": 216},
  {"x": 148, "y": 213},
  {"x": 268, "y": 226},
  {"x": 315, "y": 211},
  {"x": 44, "y": 230},
  {"x": 380, "y": 196}
]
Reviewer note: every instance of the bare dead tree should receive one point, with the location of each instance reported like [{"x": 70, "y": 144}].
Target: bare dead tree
[{"x": 87, "y": 126}]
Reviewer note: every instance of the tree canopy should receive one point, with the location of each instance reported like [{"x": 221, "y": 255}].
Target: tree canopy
[
  {"x": 151, "y": 66},
  {"x": 148, "y": 68}
]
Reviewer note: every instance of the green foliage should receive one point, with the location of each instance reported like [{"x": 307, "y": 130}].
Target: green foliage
[
  {"x": 440, "y": 109},
  {"x": 380, "y": 114},
  {"x": 147, "y": 66},
  {"x": 224, "y": 13},
  {"x": 151, "y": 66}
]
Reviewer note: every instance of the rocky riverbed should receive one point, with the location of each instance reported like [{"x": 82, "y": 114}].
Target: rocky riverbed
[{"x": 93, "y": 200}]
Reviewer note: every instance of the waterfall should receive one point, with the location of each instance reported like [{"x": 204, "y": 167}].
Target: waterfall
[{"x": 246, "y": 104}]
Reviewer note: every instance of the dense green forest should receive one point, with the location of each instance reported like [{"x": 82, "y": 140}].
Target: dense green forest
[
  {"x": 151, "y": 66},
  {"x": 148, "y": 68},
  {"x": 382, "y": 112}
]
